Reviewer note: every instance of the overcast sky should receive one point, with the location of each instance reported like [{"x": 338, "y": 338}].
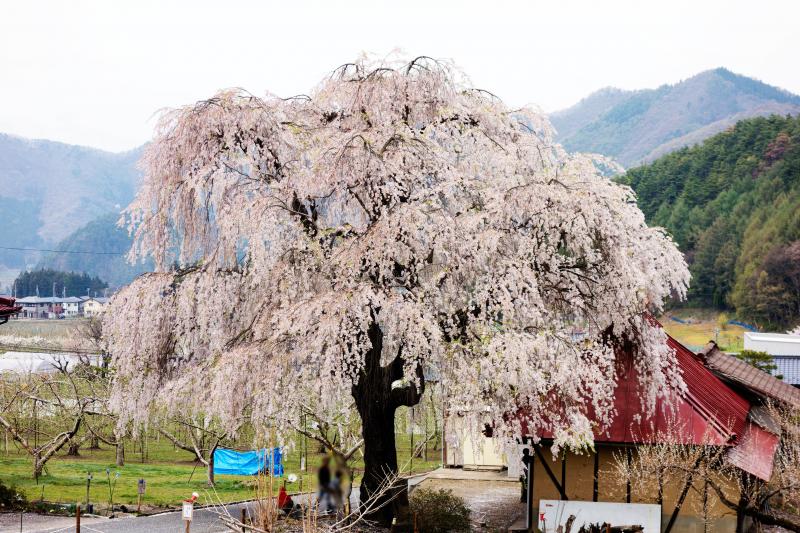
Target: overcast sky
[{"x": 96, "y": 73}]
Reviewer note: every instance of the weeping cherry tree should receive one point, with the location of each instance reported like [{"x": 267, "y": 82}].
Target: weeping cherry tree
[{"x": 393, "y": 223}]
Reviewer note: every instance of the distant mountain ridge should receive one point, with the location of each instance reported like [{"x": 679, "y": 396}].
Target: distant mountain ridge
[
  {"x": 639, "y": 126},
  {"x": 50, "y": 189}
]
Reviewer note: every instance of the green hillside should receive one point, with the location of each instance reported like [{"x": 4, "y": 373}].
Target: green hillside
[
  {"x": 733, "y": 206},
  {"x": 107, "y": 242}
]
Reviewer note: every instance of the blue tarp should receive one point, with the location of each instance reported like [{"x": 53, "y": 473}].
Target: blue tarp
[
  {"x": 248, "y": 463},
  {"x": 743, "y": 324}
]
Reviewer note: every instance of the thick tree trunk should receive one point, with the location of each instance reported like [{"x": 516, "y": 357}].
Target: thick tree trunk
[
  {"x": 380, "y": 458},
  {"x": 377, "y": 402},
  {"x": 73, "y": 448}
]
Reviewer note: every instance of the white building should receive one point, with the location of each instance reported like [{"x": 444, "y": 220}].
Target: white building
[
  {"x": 784, "y": 349},
  {"x": 40, "y": 307},
  {"x": 94, "y": 306},
  {"x": 72, "y": 306}
]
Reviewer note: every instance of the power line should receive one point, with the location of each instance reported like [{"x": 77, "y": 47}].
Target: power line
[{"x": 59, "y": 251}]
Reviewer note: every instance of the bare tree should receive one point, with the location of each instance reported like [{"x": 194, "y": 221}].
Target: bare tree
[
  {"x": 707, "y": 471},
  {"x": 44, "y": 412},
  {"x": 199, "y": 436}
]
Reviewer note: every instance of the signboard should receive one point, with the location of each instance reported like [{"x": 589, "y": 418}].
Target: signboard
[
  {"x": 142, "y": 486},
  {"x": 557, "y": 512},
  {"x": 188, "y": 508}
]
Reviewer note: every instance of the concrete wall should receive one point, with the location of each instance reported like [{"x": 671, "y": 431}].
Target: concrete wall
[
  {"x": 772, "y": 343},
  {"x": 483, "y": 453}
]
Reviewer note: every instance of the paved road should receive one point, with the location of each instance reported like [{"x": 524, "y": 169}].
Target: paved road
[{"x": 205, "y": 521}]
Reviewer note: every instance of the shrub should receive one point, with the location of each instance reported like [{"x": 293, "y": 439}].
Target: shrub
[
  {"x": 439, "y": 511},
  {"x": 11, "y": 498}
]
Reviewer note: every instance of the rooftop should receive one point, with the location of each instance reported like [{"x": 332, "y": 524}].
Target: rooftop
[
  {"x": 8, "y": 307},
  {"x": 772, "y": 337},
  {"x": 788, "y": 367},
  {"x": 734, "y": 369}
]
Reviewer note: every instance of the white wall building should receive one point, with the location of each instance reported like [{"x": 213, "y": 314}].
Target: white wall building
[
  {"x": 72, "y": 306},
  {"x": 94, "y": 306},
  {"x": 784, "y": 349}
]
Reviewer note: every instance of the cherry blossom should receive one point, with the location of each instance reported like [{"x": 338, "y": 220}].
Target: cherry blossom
[{"x": 394, "y": 216}]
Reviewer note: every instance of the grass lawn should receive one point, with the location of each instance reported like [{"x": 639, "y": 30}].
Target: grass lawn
[
  {"x": 701, "y": 329},
  {"x": 167, "y": 472}
]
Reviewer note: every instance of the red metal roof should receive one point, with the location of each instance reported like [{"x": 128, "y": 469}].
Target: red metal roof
[
  {"x": 722, "y": 407},
  {"x": 708, "y": 412},
  {"x": 7, "y": 307},
  {"x": 755, "y": 451}
]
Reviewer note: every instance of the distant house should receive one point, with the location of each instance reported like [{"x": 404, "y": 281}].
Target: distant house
[
  {"x": 41, "y": 307},
  {"x": 94, "y": 306},
  {"x": 72, "y": 306},
  {"x": 56, "y": 307},
  {"x": 784, "y": 349},
  {"x": 8, "y": 308}
]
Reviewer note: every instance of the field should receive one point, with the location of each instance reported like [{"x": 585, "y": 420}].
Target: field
[
  {"x": 170, "y": 474},
  {"x": 701, "y": 326},
  {"x": 48, "y": 329}
]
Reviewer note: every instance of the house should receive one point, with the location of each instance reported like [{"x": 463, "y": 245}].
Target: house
[
  {"x": 759, "y": 386},
  {"x": 41, "y": 307},
  {"x": 94, "y": 306},
  {"x": 8, "y": 308},
  {"x": 721, "y": 407},
  {"x": 784, "y": 349},
  {"x": 72, "y": 306}
]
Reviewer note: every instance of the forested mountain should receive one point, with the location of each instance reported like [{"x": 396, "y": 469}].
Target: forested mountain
[
  {"x": 639, "y": 126},
  {"x": 50, "y": 189},
  {"x": 47, "y": 282},
  {"x": 108, "y": 242},
  {"x": 733, "y": 206}
]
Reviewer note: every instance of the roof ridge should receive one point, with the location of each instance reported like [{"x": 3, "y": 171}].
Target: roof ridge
[{"x": 750, "y": 377}]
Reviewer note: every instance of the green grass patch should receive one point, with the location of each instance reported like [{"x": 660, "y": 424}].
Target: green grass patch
[{"x": 168, "y": 473}]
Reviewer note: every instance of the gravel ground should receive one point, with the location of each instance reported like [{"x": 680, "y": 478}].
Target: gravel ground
[{"x": 494, "y": 504}]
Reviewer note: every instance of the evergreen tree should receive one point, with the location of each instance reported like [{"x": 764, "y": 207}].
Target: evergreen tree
[{"x": 49, "y": 282}]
